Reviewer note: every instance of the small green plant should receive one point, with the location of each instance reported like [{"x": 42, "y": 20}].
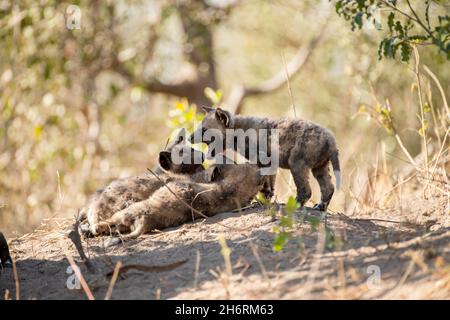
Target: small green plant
[
  {"x": 284, "y": 231},
  {"x": 270, "y": 208}
]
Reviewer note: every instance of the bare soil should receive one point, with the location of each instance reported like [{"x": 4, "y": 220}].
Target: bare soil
[{"x": 410, "y": 246}]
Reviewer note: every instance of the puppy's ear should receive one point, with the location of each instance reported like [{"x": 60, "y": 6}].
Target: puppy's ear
[
  {"x": 165, "y": 160},
  {"x": 203, "y": 157},
  {"x": 207, "y": 109},
  {"x": 181, "y": 135},
  {"x": 224, "y": 117},
  {"x": 215, "y": 175}
]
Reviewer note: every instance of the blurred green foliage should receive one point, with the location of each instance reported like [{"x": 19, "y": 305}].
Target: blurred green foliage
[
  {"x": 284, "y": 231},
  {"x": 215, "y": 96},
  {"x": 184, "y": 115},
  {"x": 289, "y": 220},
  {"x": 408, "y": 23}
]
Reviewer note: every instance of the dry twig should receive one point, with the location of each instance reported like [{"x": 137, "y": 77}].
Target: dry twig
[{"x": 74, "y": 236}]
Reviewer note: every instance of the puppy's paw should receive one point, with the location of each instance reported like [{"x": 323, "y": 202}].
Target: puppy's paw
[
  {"x": 320, "y": 207},
  {"x": 268, "y": 194},
  {"x": 85, "y": 231}
]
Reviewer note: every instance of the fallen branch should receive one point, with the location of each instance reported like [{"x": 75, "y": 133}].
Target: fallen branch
[{"x": 144, "y": 268}]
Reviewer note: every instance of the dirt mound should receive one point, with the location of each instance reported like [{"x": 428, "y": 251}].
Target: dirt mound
[{"x": 377, "y": 257}]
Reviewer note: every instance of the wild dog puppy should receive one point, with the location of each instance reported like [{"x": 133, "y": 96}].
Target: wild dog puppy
[
  {"x": 121, "y": 193},
  {"x": 231, "y": 187},
  {"x": 5, "y": 259},
  {"x": 303, "y": 146}
]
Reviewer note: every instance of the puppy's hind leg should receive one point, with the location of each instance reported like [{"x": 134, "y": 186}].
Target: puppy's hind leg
[
  {"x": 134, "y": 218},
  {"x": 139, "y": 229},
  {"x": 268, "y": 189},
  {"x": 300, "y": 173},
  {"x": 120, "y": 221},
  {"x": 323, "y": 177}
]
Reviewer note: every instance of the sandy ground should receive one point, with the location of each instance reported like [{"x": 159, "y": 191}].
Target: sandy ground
[{"x": 410, "y": 252}]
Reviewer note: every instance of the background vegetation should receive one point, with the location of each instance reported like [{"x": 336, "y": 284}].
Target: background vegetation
[{"x": 79, "y": 107}]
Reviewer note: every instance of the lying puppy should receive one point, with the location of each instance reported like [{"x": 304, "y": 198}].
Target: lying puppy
[
  {"x": 121, "y": 193},
  {"x": 231, "y": 187}
]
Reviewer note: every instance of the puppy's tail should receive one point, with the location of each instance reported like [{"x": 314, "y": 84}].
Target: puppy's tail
[{"x": 334, "y": 158}]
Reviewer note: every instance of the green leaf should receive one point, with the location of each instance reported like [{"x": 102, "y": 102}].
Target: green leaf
[
  {"x": 214, "y": 96},
  {"x": 280, "y": 241},
  {"x": 405, "y": 51},
  {"x": 262, "y": 199},
  {"x": 423, "y": 130},
  {"x": 338, "y": 6},
  {"x": 357, "y": 21},
  {"x": 399, "y": 28},
  {"x": 286, "y": 222},
  {"x": 291, "y": 205},
  {"x": 390, "y": 22},
  {"x": 417, "y": 39}
]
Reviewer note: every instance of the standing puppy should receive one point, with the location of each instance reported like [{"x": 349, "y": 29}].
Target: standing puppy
[{"x": 303, "y": 146}]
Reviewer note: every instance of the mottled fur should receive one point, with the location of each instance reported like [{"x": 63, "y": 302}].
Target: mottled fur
[
  {"x": 121, "y": 193},
  {"x": 231, "y": 187},
  {"x": 304, "y": 146}
]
